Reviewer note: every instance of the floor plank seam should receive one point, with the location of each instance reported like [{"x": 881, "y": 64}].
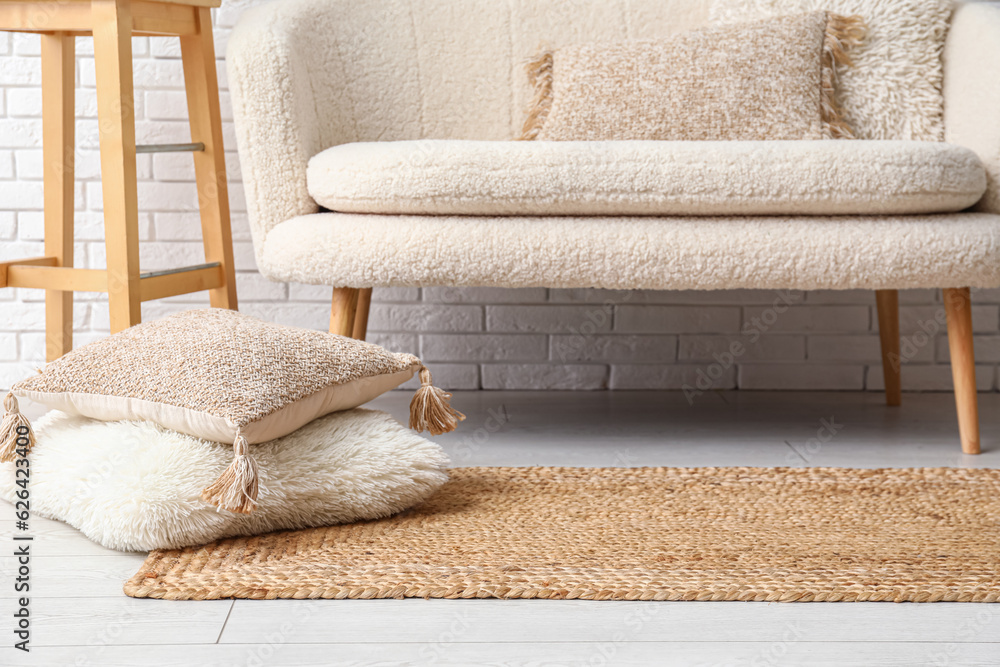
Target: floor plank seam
[
  {"x": 228, "y": 614},
  {"x": 542, "y": 643}
]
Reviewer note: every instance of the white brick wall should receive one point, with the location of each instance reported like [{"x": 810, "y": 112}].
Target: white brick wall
[{"x": 475, "y": 337}]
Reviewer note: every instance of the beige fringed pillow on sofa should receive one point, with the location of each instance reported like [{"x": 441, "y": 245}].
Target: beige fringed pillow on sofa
[
  {"x": 219, "y": 375},
  {"x": 766, "y": 80},
  {"x": 894, "y": 89}
]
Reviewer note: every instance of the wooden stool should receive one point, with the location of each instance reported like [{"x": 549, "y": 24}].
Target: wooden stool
[{"x": 113, "y": 23}]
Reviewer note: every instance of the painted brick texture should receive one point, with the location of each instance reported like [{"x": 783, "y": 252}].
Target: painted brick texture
[{"x": 474, "y": 338}]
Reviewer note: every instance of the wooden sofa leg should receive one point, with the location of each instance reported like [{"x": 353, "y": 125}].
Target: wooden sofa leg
[
  {"x": 887, "y": 301},
  {"x": 343, "y": 310},
  {"x": 361, "y": 314},
  {"x": 958, "y": 307}
]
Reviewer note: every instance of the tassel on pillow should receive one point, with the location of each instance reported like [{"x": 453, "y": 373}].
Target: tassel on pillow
[
  {"x": 237, "y": 487},
  {"x": 15, "y": 431},
  {"x": 430, "y": 409},
  {"x": 843, "y": 33}
]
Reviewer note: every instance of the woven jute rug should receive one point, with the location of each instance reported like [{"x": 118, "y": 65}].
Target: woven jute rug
[{"x": 777, "y": 534}]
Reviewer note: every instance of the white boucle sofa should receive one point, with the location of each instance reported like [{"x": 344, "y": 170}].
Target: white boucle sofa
[{"x": 311, "y": 75}]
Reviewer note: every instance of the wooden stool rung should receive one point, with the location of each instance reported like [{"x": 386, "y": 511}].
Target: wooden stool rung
[
  {"x": 182, "y": 269},
  {"x": 44, "y": 272},
  {"x": 184, "y": 280},
  {"x": 170, "y": 148},
  {"x": 27, "y": 261}
]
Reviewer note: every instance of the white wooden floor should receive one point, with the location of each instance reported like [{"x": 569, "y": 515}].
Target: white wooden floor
[{"x": 81, "y": 618}]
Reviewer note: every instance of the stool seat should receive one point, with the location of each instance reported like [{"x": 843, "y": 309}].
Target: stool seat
[{"x": 113, "y": 23}]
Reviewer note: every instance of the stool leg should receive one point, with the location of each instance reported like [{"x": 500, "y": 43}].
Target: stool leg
[
  {"x": 888, "y": 330},
  {"x": 58, "y": 156},
  {"x": 201, "y": 81},
  {"x": 112, "y": 23},
  {"x": 958, "y": 307}
]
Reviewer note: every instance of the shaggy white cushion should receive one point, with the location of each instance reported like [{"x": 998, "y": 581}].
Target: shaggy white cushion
[
  {"x": 893, "y": 89},
  {"x": 135, "y": 486},
  {"x": 944, "y": 250},
  {"x": 646, "y": 177}
]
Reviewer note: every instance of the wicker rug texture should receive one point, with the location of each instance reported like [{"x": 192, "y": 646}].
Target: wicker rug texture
[{"x": 776, "y": 534}]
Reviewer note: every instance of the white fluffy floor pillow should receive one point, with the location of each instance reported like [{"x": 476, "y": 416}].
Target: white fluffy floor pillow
[{"x": 135, "y": 486}]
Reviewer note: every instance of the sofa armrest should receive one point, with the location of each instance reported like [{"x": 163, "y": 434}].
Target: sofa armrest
[
  {"x": 277, "y": 129},
  {"x": 972, "y": 90}
]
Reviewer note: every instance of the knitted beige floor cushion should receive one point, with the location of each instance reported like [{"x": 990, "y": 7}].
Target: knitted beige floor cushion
[
  {"x": 775, "y": 534},
  {"x": 646, "y": 177},
  {"x": 894, "y": 88},
  {"x": 771, "y": 79},
  {"x": 136, "y": 486},
  {"x": 222, "y": 376}
]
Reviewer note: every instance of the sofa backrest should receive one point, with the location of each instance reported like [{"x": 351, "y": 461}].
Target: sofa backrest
[
  {"x": 972, "y": 89},
  {"x": 309, "y": 74},
  {"x": 454, "y": 69}
]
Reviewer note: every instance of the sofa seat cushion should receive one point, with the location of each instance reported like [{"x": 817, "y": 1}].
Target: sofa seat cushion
[
  {"x": 640, "y": 252},
  {"x": 436, "y": 177}
]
